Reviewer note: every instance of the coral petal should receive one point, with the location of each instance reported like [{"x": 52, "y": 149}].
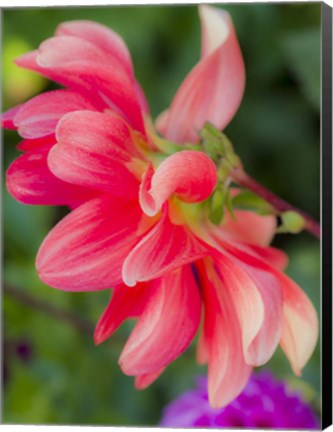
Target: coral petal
[
  {"x": 30, "y": 181},
  {"x": 274, "y": 257},
  {"x": 258, "y": 298},
  {"x": 247, "y": 301},
  {"x": 7, "y": 118},
  {"x": 266, "y": 341},
  {"x": 250, "y": 227},
  {"x": 164, "y": 247},
  {"x": 103, "y": 82},
  {"x": 202, "y": 349},
  {"x": 227, "y": 371},
  {"x": 125, "y": 303},
  {"x": 101, "y": 36},
  {"x": 214, "y": 88},
  {"x": 77, "y": 49},
  {"x": 39, "y": 116},
  {"x": 37, "y": 143},
  {"x": 92, "y": 151},
  {"x": 85, "y": 251},
  {"x": 300, "y": 326},
  {"x": 167, "y": 325},
  {"x": 86, "y": 65},
  {"x": 300, "y": 322},
  {"x": 144, "y": 381},
  {"x": 251, "y": 234}
]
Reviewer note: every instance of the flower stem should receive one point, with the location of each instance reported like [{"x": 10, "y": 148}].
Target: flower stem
[{"x": 243, "y": 179}]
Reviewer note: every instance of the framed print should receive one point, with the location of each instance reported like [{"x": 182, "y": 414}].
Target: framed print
[{"x": 167, "y": 209}]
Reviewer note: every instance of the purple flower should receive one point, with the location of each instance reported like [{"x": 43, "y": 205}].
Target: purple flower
[{"x": 264, "y": 403}]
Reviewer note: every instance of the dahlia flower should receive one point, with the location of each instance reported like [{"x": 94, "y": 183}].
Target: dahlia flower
[
  {"x": 265, "y": 403},
  {"x": 140, "y": 220}
]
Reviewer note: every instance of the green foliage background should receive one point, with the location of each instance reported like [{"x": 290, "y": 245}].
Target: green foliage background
[{"x": 276, "y": 132}]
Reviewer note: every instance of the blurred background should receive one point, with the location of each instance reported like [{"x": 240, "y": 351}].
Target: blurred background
[{"x": 53, "y": 373}]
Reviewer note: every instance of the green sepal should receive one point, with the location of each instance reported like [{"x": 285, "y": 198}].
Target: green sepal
[
  {"x": 216, "y": 213},
  {"x": 247, "y": 200},
  {"x": 218, "y": 147},
  {"x": 220, "y": 200},
  {"x": 229, "y": 204}
]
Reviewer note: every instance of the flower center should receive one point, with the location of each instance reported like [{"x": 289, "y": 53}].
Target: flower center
[{"x": 191, "y": 181}]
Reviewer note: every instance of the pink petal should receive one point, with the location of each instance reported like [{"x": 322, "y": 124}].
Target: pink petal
[
  {"x": 258, "y": 302},
  {"x": 125, "y": 303},
  {"x": 37, "y": 143},
  {"x": 245, "y": 234},
  {"x": 72, "y": 49},
  {"x": 300, "y": 322},
  {"x": 247, "y": 301},
  {"x": 202, "y": 349},
  {"x": 266, "y": 341},
  {"x": 144, "y": 381},
  {"x": 93, "y": 150},
  {"x": 227, "y": 371},
  {"x": 7, "y": 118},
  {"x": 190, "y": 174},
  {"x": 101, "y": 36},
  {"x": 85, "y": 62},
  {"x": 165, "y": 247},
  {"x": 260, "y": 338},
  {"x": 105, "y": 84},
  {"x": 30, "y": 181},
  {"x": 300, "y": 326},
  {"x": 214, "y": 88},
  {"x": 108, "y": 41},
  {"x": 86, "y": 250},
  {"x": 257, "y": 295},
  {"x": 161, "y": 122},
  {"x": 274, "y": 257},
  {"x": 39, "y": 116},
  {"x": 29, "y": 61},
  {"x": 250, "y": 227},
  {"x": 167, "y": 325}
]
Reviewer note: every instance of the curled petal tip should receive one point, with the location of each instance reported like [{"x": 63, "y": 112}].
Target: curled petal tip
[
  {"x": 147, "y": 201},
  {"x": 189, "y": 174},
  {"x": 128, "y": 281}
]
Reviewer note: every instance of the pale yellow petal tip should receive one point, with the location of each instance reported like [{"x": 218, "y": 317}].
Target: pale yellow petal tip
[
  {"x": 215, "y": 27},
  {"x": 215, "y": 399},
  {"x": 206, "y": 10}
]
